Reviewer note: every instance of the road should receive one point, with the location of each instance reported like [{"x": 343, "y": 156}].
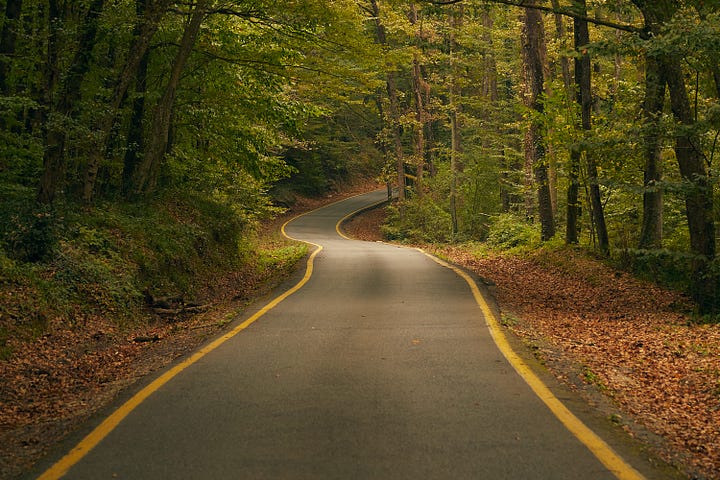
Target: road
[{"x": 380, "y": 367}]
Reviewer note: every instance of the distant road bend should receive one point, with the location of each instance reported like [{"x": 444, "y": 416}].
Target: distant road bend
[{"x": 381, "y": 366}]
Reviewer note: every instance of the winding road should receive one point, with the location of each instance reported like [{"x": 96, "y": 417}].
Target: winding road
[{"x": 380, "y": 364}]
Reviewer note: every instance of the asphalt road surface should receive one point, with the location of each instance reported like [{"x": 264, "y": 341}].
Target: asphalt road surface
[{"x": 380, "y": 367}]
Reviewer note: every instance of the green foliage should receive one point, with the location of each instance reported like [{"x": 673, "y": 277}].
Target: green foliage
[
  {"x": 672, "y": 268},
  {"x": 28, "y": 232},
  {"x": 510, "y": 231},
  {"x": 104, "y": 259},
  {"x": 423, "y": 221}
]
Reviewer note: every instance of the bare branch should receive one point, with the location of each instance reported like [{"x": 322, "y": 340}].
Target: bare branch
[{"x": 568, "y": 12}]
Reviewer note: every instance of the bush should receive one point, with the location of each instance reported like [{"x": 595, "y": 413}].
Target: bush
[
  {"x": 510, "y": 231},
  {"x": 424, "y": 221},
  {"x": 666, "y": 267}
]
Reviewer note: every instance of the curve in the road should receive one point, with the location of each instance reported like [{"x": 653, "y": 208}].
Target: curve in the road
[
  {"x": 611, "y": 461},
  {"x": 59, "y": 469},
  {"x": 607, "y": 456}
]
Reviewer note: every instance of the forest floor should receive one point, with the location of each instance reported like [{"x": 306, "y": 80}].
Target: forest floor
[{"x": 607, "y": 334}]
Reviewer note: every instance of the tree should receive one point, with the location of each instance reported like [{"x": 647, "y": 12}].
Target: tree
[
  {"x": 65, "y": 106},
  {"x": 394, "y": 108},
  {"x": 149, "y": 14},
  {"x": 420, "y": 89},
  {"x": 698, "y": 185},
  {"x": 145, "y": 176},
  {"x": 584, "y": 98},
  {"x": 533, "y": 48}
]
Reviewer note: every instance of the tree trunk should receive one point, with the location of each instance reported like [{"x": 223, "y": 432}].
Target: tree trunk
[
  {"x": 560, "y": 37},
  {"x": 135, "y": 137},
  {"x": 699, "y": 190},
  {"x": 533, "y": 41},
  {"x": 419, "y": 87},
  {"x": 455, "y": 20},
  {"x": 651, "y": 233},
  {"x": 146, "y": 174},
  {"x": 583, "y": 83},
  {"x": 8, "y": 37},
  {"x": 149, "y": 16},
  {"x": 572, "y": 227},
  {"x": 54, "y": 163},
  {"x": 394, "y": 113}
]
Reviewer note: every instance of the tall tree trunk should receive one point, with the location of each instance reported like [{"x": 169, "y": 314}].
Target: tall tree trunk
[
  {"x": 145, "y": 176},
  {"x": 68, "y": 98},
  {"x": 419, "y": 87},
  {"x": 698, "y": 191},
  {"x": 572, "y": 226},
  {"x": 135, "y": 137},
  {"x": 8, "y": 38},
  {"x": 573, "y": 191},
  {"x": 149, "y": 15},
  {"x": 394, "y": 111},
  {"x": 651, "y": 233},
  {"x": 533, "y": 41},
  {"x": 583, "y": 83},
  {"x": 455, "y": 21},
  {"x": 560, "y": 37}
]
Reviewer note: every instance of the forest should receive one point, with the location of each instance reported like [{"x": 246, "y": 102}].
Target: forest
[
  {"x": 148, "y": 147},
  {"x": 143, "y": 140}
]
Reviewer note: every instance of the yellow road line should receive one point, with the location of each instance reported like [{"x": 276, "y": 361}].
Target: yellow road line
[
  {"x": 338, "y": 225},
  {"x": 590, "y": 439},
  {"x": 59, "y": 469},
  {"x": 607, "y": 456}
]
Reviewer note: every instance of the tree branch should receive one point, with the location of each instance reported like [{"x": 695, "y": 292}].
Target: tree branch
[{"x": 568, "y": 12}]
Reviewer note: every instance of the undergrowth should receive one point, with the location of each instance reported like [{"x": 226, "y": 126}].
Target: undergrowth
[{"x": 67, "y": 264}]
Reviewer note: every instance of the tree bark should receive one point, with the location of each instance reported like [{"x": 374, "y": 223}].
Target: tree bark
[
  {"x": 455, "y": 21},
  {"x": 583, "y": 83},
  {"x": 394, "y": 110},
  {"x": 533, "y": 40},
  {"x": 145, "y": 177},
  {"x": 698, "y": 190},
  {"x": 419, "y": 86},
  {"x": 651, "y": 232},
  {"x": 135, "y": 137},
  {"x": 149, "y": 15},
  {"x": 54, "y": 163}
]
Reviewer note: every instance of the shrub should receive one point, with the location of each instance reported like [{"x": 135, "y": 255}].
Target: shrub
[
  {"x": 424, "y": 221},
  {"x": 510, "y": 231}
]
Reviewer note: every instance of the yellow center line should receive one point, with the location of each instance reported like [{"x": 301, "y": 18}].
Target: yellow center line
[{"x": 604, "y": 453}]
